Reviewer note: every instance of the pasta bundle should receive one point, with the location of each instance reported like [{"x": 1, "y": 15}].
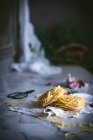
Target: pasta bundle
[
  {"x": 57, "y": 97},
  {"x": 69, "y": 103},
  {"x": 51, "y": 95}
]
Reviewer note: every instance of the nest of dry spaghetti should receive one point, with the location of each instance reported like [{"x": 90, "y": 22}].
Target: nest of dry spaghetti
[{"x": 58, "y": 97}]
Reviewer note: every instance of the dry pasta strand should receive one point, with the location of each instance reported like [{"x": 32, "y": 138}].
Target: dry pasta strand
[
  {"x": 51, "y": 95},
  {"x": 69, "y": 102}
]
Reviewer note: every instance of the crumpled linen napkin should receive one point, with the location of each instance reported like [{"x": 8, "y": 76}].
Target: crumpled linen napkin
[{"x": 32, "y": 108}]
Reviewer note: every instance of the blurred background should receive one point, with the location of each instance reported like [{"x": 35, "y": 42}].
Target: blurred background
[{"x": 64, "y": 27}]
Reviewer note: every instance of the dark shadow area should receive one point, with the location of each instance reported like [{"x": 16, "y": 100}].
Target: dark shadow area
[
  {"x": 65, "y": 29},
  {"x": 63, "y": 23}
]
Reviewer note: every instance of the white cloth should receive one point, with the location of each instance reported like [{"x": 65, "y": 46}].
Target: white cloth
[
  {"x": 35, "y": 109},
  {"x": 33, "y": 56}
]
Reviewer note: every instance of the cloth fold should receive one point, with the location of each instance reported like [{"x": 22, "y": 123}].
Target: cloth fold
[{"x": 33, "y": 55}]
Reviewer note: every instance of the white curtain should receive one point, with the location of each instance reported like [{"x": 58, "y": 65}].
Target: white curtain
[{"x": 32, "y": 57}]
